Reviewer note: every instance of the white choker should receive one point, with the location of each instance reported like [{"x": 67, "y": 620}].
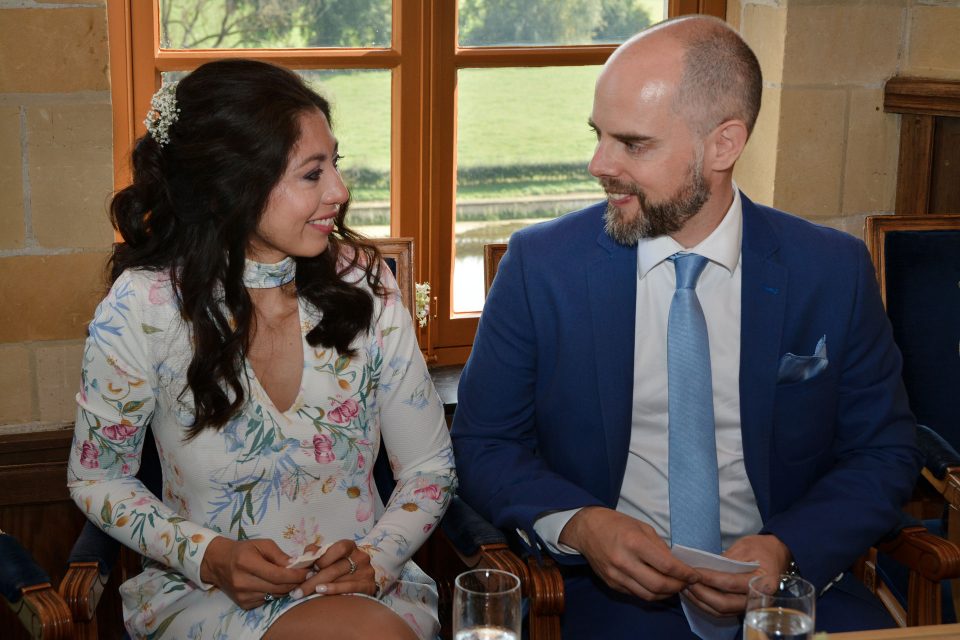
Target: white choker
[{"x": 257, "y": 275}]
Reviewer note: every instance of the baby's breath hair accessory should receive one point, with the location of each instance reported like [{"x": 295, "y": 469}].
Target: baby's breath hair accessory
[{"x": 163, "y": 112}]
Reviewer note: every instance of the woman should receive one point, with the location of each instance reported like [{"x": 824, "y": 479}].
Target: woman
[{"x": 267, "y": 349}]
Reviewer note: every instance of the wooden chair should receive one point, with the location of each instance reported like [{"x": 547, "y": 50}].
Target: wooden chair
[
  {"x": 28, "y": 591},
  {"x": 492, "y": 254},
  {"x": 917, "y": 261},
  {"x": 398, "y": 254}
]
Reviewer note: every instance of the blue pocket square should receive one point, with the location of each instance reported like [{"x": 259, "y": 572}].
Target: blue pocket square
[{"x": 794, "y": 368}]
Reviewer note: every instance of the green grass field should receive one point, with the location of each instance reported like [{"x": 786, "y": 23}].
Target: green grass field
[{"x": 520, "y": 131}]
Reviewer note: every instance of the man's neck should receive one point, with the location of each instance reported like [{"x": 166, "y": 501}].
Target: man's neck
[{"x": 708, "y": 218}]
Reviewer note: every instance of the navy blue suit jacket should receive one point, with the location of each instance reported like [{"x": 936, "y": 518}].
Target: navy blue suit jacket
[{"x": 544, "y": 406}]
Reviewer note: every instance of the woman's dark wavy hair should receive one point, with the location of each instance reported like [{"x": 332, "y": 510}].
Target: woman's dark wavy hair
[{"x": 196, "y": 200}]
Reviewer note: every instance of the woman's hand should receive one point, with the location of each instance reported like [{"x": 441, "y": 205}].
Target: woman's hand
[
  {"x": 248, "y": 570},
  {"x": 342, "y": 569}
]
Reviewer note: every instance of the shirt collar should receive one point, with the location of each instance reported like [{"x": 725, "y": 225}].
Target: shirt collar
[{"x": 722, "y": 246}]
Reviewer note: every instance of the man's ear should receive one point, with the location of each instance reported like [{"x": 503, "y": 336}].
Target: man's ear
[{"x": 725, "y": 144}]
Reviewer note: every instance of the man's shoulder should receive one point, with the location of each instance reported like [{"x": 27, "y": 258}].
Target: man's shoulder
[{"x": 795, "y": 232}]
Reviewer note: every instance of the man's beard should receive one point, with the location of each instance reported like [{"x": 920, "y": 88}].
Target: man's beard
[{"x": 656, "y": 218}]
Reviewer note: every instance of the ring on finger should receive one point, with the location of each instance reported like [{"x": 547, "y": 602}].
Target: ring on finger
[
  {"x": 268, "y": 597},
  {"x": 353, "y": 565}
]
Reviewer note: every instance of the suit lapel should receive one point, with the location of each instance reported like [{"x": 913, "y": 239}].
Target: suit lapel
[
  {"x": 764, "y": 295},
  {"x": 612, "y": 286}
]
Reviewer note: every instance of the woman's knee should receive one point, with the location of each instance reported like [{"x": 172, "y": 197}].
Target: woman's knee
[{"x": 340, "y": 618}]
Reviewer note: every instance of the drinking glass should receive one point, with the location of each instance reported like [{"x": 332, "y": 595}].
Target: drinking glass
[
  {"x": 779, "y": 607},
  {"x": 486, "y": 606}
]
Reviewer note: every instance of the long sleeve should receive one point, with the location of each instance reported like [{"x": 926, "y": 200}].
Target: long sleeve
[
  {"x": 414, "y": 432},
  {"x": 116, "y": 402},
  {"x": 501, "y": 422}
]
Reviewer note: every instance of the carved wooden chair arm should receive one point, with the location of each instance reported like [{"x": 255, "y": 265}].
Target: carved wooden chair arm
[
  {"x": 941, "y": 464},
  {"x": 480, "y": 545},
  {"x": 27, "y": 589},
  {"x": 930, "y": 560},
  {"x": 82, "y": 588}
]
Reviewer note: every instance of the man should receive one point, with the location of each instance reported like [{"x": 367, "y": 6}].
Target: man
[{"x": 569, "y": 403}]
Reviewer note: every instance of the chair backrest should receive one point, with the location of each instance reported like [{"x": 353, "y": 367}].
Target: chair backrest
[
  {"x": 398, "y": 254},
  {"x": 492, "y": 254},
  {"x": 917, "y": 260}
]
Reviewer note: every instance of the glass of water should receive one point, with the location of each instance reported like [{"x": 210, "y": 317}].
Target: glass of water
[
  {"x": 779, "y": 607},
  {"x": 486, "y": 606}
]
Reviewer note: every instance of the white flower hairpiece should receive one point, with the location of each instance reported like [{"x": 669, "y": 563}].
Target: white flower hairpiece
[
  {"x": 422, "y": 302},
  {"x": 163, "y": 112}
]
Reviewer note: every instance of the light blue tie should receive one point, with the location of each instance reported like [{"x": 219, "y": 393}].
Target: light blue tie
[{"x": 694, "y": 483}]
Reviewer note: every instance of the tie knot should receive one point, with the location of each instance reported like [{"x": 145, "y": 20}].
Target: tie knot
[{"x": 689, "y": 266}]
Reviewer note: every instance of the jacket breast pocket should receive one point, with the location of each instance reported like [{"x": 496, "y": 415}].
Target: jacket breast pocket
[{"x": 803, "y": 418}]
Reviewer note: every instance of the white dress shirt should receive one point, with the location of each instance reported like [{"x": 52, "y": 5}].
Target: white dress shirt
[{"x": 645, "y": 491}]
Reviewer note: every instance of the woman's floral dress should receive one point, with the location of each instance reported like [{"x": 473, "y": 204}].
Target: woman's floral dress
[{"x": 298, "y": 477}]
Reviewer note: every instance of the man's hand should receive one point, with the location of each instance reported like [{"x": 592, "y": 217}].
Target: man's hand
[
  {"x": 725, "y": 594},
  {"x": 627, "y": 554}
]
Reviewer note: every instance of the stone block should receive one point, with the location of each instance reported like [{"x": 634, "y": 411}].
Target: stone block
[
  {"x": 12, "y": 227},
  {"x": 764, "y": 28},
  {"x": 934, "y": 40},
  {"x": 735, "y": 15},
  {"x": 71, "y": 174},
  {"x": 16, "y": 385},
  {"x": 755, "y": 172},
  {"x": 55, "y": 50},
  {"x": 873, "y": 143},
  {"x": 58, "y": 379},
  {"x": 842, "y": 42},
  {"x": 49, "y": 297},
  {"x": 812, "y": 131}
]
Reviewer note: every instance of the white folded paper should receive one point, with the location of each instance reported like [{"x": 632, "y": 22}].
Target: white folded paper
[
  {"x": 305, "y": 560},
  {"x": 703, "y": 624}
]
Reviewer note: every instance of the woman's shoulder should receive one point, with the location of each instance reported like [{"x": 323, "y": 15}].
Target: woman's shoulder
[{"x": 148, "y": 289}]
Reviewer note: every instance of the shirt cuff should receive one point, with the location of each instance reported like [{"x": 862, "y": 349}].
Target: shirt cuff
[{"x": 548, "y": 528}]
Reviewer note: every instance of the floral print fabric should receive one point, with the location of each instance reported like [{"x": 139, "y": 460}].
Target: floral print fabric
[{"x": 298, "y": 477}]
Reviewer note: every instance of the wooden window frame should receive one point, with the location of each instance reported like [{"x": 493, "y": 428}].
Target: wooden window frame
[
  {"x": 424, "y": 58},
  {"x": 920, "y": 102}
]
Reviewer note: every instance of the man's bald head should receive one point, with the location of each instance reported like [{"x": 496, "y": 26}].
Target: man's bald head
[{"x": 720, "y": 76}]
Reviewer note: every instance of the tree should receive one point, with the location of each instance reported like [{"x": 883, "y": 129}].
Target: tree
[
  {"x": 496, "y": 22},
  {"x": 620, "y": 20},
  {"x": 276, "y": 23}
]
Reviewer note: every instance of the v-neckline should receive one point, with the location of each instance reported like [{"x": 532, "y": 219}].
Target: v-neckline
[{"x": 255, "y": 379}]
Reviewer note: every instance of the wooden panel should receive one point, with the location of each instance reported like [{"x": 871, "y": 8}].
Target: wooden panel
[
  {"x": 945, "y": 174},
  {"x": 921, "y": 95},
  {"x": 914, "y": 165}
]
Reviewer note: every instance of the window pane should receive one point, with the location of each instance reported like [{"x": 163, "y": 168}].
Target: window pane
[
  {"x": 360, "y": 103},
  {"x": 523, "y": 145},
  {"x": 485, "y": 23},
  {"x": 360, "y": 100},
  {"x": 239, "y": 24}
]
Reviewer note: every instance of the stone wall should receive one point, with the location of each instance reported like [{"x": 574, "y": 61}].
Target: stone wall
[
  {"x": 823, "y": 147},
  {"x": 56, "y": 175}
]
